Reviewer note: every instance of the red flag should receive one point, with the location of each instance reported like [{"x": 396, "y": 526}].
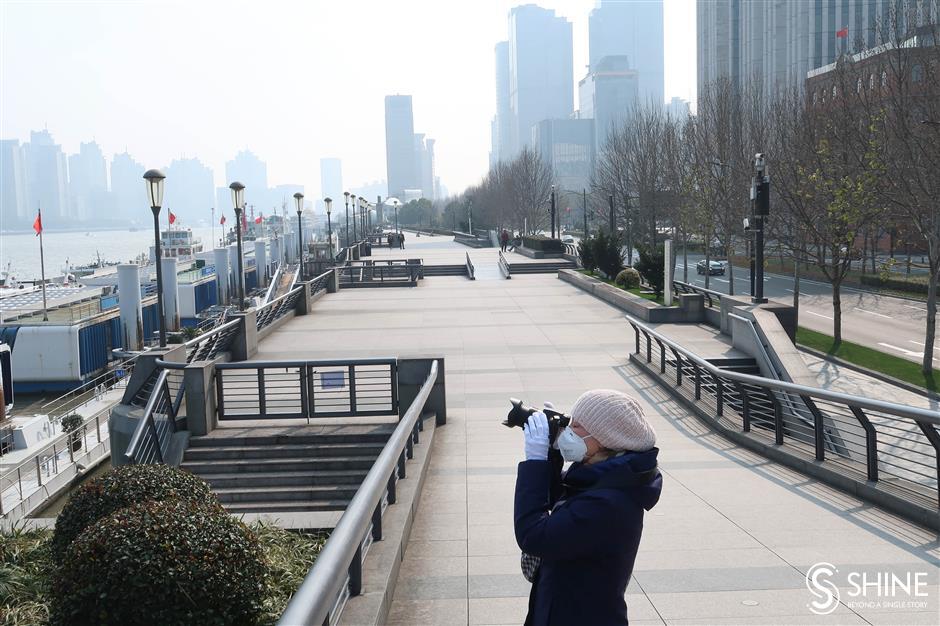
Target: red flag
[
  {"x": 244, "y": 223},
  {"x": 258, "y": 220},
  {"x": 843, "y": 32},
  {"x": 172, "y": 217},
  {"x": 37, "y": 225},
  {"x": 222, "y": 221}
]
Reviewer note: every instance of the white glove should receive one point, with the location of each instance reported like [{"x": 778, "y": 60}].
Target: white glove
[{"x": 536, "y": 437}]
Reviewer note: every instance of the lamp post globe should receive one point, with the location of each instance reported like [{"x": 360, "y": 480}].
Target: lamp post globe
[
  {"x": 155, "y": 180},
  {"x": 238, "y": 200},
  {"x": 346, "y": 193},
  {"x": 329, "y": 228},
  {"x": 299, "y": 201}
]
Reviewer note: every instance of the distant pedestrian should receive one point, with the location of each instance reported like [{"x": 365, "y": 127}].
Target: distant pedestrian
[
  {"x": 389, "y": 238},
  {"x": 503, "y": 240},
  {"x": 401, "y": 240}
]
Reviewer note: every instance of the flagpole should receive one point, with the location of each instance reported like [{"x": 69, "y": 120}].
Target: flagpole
[
  {"x": 42, "y": 269},
  {"x": 213, "y": 228}
]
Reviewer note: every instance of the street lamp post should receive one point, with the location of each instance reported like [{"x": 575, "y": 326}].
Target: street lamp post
[
  {"x": 155, "y": 179},
  {"x": 299, "y": 200},
  {"x": 760, "y": 192},
  {"x": 346, "y": 194},
  {"x": 553, "y": 211},
  {"x": 238, "y": 199},
  {"x": 584, "y": 211},
  {"x": 470, "y": 214},
  {"x": 329, "y": 229},
  {"x": 355, "y": 236}
]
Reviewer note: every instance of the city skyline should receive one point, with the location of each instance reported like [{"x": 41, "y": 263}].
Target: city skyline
[{"x": 122, "y": 111}]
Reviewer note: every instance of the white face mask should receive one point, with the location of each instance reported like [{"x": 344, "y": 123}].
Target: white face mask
[{"x": 571, "y": 446}]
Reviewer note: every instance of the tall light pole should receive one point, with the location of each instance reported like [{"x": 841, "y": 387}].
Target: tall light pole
[
  {"x": 553, "y": 211},
  {"x": 238, "y": 199},
  {"x": 299, "y": 201},
  {"x": 584, "y": 210},
  {"x": 352, "y": 197},
  {"x": 346, "y": 193},
  {"x": 760, "y": 193},
  {"x": 155, "y": 179},
  {"x": 470, "y": 215},
  {"x": 329, "y": 228}
]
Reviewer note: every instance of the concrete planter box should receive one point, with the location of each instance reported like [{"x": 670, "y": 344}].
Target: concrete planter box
[
  {"x": 538, "y": 254},
  {"x": 690, "y": 307}
]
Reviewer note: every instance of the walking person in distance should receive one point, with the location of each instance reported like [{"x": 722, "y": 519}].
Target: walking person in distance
[{"x": 580, "y": 530}]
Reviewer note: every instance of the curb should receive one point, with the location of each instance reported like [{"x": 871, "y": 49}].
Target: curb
[{"x": 891, "y": 380}]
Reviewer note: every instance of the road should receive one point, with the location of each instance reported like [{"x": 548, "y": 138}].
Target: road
[{"x": 884, "y": 323}]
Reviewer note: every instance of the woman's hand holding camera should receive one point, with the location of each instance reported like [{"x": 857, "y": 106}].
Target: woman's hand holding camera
[{"x": 536, "y": 437}]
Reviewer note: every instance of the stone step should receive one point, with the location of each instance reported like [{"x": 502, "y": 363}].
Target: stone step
[
  {"x": 220, "y": 453},
  {"x": 279, "y": 464},
  {"x": 286, "y": 506},
  {"x": 286, "y": 478},
  {"x": 347, "y": 435},
  {"x": 290, "y": 493}
]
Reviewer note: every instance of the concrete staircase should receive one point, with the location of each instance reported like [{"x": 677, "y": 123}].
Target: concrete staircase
[
  {"x": 541, "y": 267},
  {"x": 742, "y": 365},
  {"x": 315, "y": 468},
  {"x": 445, "y": 270}
]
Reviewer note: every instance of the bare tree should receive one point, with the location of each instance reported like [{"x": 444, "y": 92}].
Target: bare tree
[{"x": 529, "y": 183}]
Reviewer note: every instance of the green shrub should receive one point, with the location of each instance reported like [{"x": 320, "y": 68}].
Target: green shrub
[
  {"x": 915, "y": 285},
  {"x": 171, "y": 562},
  {"x": 628, "y": 278},
  {"x": 543, "y": 243},
  {"x": 586, "y": 255},
  {"x": 652, "y": 267},
  {"x": 122, "y": 487},
  {"x": 608, "y": 253}
]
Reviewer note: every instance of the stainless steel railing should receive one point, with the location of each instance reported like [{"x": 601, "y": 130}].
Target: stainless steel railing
[
  {"x": 470, "y": 269},
  {"x": 504, "y": 265},
  {"x": 338, "y": 568},
  {"x": 712, "y": 298},
  {"x": 151, "y": 439},
  {"x": 278, "y": 308},
  {"x": 890, "y": 444}
]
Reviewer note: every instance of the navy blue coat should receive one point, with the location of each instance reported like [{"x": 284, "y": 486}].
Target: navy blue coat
[{"x": 588, "y": 543}]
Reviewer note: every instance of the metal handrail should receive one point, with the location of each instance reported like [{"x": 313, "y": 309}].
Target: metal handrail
[
  {"x": 709, "y": 294},
  {"x": 504, "y": 265},
  {"x": 321, "y": 282},
  {"x": 207, "y": 346},
  {"x": 900, "y": 410},
  {"x": 277, "y": 308},
  {"x": 146, "y": 443},
  {"x": 324, "y": 583},
  {"x": 90, "y": 386},
  {"x": 470, "y": 269}
]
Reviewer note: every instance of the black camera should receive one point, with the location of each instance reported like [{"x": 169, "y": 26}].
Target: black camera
[{"x": 519, "y": 413}]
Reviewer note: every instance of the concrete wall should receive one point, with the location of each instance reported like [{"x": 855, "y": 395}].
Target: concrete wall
[{"x": 690, "y": 310}]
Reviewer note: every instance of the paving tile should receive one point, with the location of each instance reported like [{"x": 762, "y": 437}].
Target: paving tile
[
  {"x": 428, "y": 612},
  {"x": 498, "y": 610}
]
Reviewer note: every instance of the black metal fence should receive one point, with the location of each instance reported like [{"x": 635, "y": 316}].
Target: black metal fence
[
  {"x": 471, "y": 271},
  {"x": 278, "y": 308},
  {"x": 320, "y": 283},
  {"x": 894, "y": 446},
  {"x": 151, "y": 439},
  {"x": 306, "y": 389},
  {"x": 368, "y": 273}
]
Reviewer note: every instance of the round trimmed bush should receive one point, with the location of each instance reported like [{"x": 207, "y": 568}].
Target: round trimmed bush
[
  {"x": 170, "y": 562},
  {"x": 121, "y": 487},
  {"x": 628, "y": 278}
]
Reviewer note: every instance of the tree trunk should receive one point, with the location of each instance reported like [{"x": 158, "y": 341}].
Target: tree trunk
[
  {"x": 864, "y": 252},
  {"x": 796, "y": 293},
  {"x": 730, "y": 251},
  {"x": 931, "y": 332},
  {"x": 708, "y": 258},
  {"x": 685, "y": 258},
  {"x": 836, "y": 313}
]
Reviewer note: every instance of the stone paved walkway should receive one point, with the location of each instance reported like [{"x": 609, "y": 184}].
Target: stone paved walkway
[{"x": 729, "y": 543}]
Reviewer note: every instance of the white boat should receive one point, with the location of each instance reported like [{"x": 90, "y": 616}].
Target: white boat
[{"x": 178, "y": 243}]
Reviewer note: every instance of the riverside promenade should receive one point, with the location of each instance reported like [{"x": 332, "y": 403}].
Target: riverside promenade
[{"x": 734, "y": 534}]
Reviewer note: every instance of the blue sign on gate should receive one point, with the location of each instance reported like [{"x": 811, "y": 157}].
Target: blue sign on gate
[{"x": 333, "y": 380}]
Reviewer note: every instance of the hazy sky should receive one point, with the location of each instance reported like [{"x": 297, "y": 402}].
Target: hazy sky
[{"x": 293, "y": 81}]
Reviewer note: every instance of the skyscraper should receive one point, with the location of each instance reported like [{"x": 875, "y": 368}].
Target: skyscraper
[
  {"x": 568, "y": 147},
  {"x": 331, "y": 179},
  {"x": 633, "y": 29},
  {"x": 190, "y": 192},
  {"x": 14, "y": 203},
  {"x": 607, "y": 95},
  {"x": 400, "y": 159},
  {"x": 501, "y": 139},
  {"x": 128, "y": 188},
  {"x": 252, "y": 172},
  {"x": 424, "y": 154},
  {"x": 47, "y": 178},
  {"x": 88, "y": 183},
  {"x": 541, "y": 83},
  {"x": 779, "y": 42}
]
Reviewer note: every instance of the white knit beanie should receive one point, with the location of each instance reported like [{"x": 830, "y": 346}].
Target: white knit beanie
[{"x": 614, "y": 419}]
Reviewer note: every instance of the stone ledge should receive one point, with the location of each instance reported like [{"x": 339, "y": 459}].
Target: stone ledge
[
  {"x": 383, "y": 560},
  {"x": 645, "y": 310},
  {"x": 538, "y": 254}
]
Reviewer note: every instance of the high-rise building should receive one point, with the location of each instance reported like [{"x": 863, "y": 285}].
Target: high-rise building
[
  {"x": 424, "y": 153},
  {"x": 501, "y": 136},
  {"x": 14, "y": 203},
  {"x": 779, "y": 42},
  {"x": 128, "y": 189},
  {"x": 567, "y": 146},
  {"x": 635, "y": 30},
  {"x": 678, "y": 109},
  {"x": 331, "y": 179},
  {"x": 47, "y": 178},
  {"x": 189, "y": 192},
  {"x": 88, "y": 183},
  {"x": 607, "y": 95},
  {"x": 541, "y": 83},
  {"x": 400, "y": 160},
  {"x": 252, "y": 172}
]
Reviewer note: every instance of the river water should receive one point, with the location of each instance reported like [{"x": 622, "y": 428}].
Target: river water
[{"x": 21, "y": 251}]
